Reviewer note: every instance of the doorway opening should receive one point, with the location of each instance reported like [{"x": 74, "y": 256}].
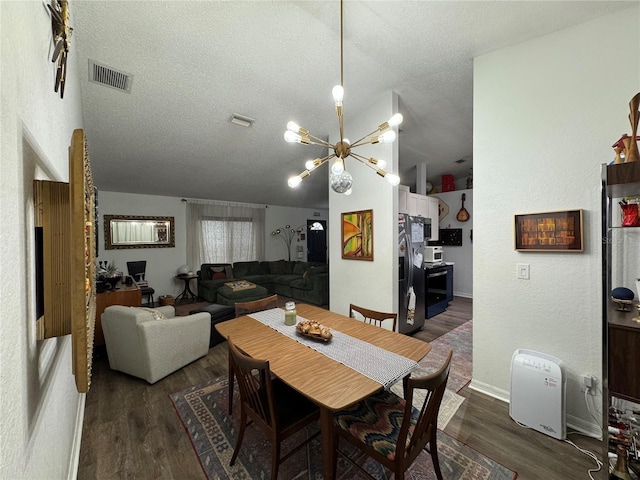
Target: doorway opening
[{"x": 317, "y": 241}]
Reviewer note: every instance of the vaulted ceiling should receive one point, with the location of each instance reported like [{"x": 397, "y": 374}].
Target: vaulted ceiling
[{"x": 192, "y": 64}]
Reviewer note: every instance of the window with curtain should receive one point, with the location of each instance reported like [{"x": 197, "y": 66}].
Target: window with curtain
[{"x": 224, "y": 233}]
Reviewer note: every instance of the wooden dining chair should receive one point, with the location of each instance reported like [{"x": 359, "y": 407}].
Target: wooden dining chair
[
  {"x": 243, "y": 308},
  {"x": 279, "y": 410},
  {"x": 372, "y": 316},
  {"x": 390, "y": 429}
]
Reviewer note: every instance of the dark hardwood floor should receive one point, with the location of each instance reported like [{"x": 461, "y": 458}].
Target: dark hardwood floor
[{"x": 131, "y": 431}]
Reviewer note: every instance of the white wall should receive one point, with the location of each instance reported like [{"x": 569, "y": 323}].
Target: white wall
[
  {"x": 371, "y": 284},
  {"x": 40, "y": 408},
  {"x": 462, "y": 256},
  {"x": 163, "y": 263},
  {"x": 278, "y": 217},
  {"x": 546, "y": 113}
]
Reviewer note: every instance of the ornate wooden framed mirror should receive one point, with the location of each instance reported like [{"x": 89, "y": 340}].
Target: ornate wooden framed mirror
[{"x": 130, "y": 231}]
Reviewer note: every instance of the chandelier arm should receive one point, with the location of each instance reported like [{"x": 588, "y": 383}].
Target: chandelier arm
[
  {"x": 322, "y": 162},
  {"x": 357, "y": 142},
  {"x": 325, "y": 159},
  {"x": 341, "y": 49},
  {"x": 364, "y": 160},
  {"x": 324, "y": 142}
]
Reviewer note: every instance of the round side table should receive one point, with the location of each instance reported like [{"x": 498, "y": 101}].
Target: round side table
[{"x": 186, "y": 294}]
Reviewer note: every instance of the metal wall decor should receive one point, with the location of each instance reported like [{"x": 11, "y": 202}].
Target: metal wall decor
[{"x": 61, "y": 30}]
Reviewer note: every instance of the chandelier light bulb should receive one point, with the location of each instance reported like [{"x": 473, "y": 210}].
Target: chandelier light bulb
[
  {"x": 338, "y": 94},
  {"x": 294, "y": 181},
  {"x": 395, "y": 120},
  {"x": 338, "y": 167},
  {"x": 348, "y": 192},
  {"x": 382, "y": 163},
  {"x": 291, "y": 137},
  {"x": 293, "y": 126},
  {"x": 310, "y": 165},
  {"x": 387, "y": 137},
  {"x": 392, "y": 179}
]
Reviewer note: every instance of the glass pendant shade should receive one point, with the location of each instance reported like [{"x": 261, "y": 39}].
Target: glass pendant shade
[{"x": 341, "y": 183}]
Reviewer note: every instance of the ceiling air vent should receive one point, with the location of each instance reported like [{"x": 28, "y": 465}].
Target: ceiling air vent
[{"x": 109, "y": 77}]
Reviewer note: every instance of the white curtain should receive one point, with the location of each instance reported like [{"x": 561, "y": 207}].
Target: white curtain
[{"x": 220, "y": 232}]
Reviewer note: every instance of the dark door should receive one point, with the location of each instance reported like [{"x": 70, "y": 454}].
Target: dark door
[{"x": 317, "y": 241}]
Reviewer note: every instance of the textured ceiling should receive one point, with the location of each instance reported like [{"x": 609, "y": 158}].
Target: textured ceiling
[{"x": 196, "y": 63}]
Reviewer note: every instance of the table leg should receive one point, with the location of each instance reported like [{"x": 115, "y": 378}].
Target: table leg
[
  {"x": 193, "y": 295},
  {"x": 328, "y": 447}
]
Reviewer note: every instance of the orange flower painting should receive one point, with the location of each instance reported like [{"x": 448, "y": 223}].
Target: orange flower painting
[{"x": 357, "y": 235}]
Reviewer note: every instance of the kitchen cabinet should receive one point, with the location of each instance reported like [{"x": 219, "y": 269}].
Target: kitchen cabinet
[
  {"x": 420, "y": 206},
  {"x": 620, "y": 329}
]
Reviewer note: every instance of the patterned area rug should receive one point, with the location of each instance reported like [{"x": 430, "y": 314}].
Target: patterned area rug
[
  {"x": 203, "y": 412},
  {"x": 461, "y": 341}
]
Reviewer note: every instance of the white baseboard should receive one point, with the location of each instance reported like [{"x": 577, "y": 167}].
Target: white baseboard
[
  {"x": 74, "y": 460},
  {"x": 588, "y": 428},
  {"x": 575, "y": 423},
  {"x": 490, "y": 390},
  {"x": 462, "y": 294}
]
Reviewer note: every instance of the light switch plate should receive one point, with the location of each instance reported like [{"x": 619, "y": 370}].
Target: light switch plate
[{"x": 523, "y": 271}]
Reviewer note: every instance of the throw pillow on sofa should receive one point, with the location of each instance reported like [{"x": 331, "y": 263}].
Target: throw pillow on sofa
[
  {"x": 217, "y": 272},
  {"x": 306, "y": 276}
]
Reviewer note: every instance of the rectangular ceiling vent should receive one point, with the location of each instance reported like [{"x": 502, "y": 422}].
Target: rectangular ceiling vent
[{"x": 109, "y": 77}]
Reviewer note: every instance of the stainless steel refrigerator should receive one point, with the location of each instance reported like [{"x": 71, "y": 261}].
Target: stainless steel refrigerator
[{"x": 413, "y": 232}]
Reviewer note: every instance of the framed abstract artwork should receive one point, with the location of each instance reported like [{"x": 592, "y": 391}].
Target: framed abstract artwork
[
  {"x": 357, "y": 235},
  {"x": 549, "y": 232}
]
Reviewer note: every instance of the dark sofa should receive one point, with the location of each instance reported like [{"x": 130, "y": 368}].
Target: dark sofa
[{"x": 304, "y": 281}]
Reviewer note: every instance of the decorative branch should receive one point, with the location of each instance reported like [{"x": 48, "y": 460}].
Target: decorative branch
[{"x": 287, "y": 233}]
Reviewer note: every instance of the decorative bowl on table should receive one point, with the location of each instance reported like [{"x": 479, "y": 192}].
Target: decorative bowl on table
[
  {"x": 113, "y": 281},
  {"x": 313, "y": 329}
]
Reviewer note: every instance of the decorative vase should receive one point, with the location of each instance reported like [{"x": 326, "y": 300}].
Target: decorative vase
[
  {"x": 618, "y": 159},
  {"x": 630, "y": 216},
  {"x": 631, "y": 146}
]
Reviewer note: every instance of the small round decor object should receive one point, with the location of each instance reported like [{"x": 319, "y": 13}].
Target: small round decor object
[
  {"x": 622, "y": 293},
  {"x": 167, "y": 300},
  {"x": 183, "y": 270}
]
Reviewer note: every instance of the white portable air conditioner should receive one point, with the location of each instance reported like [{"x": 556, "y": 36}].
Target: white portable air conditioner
[{"x": 538, "y": 389}]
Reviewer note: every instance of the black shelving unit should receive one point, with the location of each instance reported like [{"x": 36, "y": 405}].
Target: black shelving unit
[{"x": 620, "y": 332}]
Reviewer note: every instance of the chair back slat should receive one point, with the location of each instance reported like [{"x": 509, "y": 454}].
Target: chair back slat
[
  {"x": 434, "y": 385},
  {"x": 254, "y": 382},
  {"x": 243, "y": 308},
  {"x": 372, "y": 316}
]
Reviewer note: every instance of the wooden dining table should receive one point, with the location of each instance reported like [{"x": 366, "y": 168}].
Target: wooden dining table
[{"x": 328, "y": 383}]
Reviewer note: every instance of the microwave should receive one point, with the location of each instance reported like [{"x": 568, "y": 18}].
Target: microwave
[{"x": 433, "y": 254}]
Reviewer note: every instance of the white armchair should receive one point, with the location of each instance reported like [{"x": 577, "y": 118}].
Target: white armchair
[{"x": 152, "y": 343}]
